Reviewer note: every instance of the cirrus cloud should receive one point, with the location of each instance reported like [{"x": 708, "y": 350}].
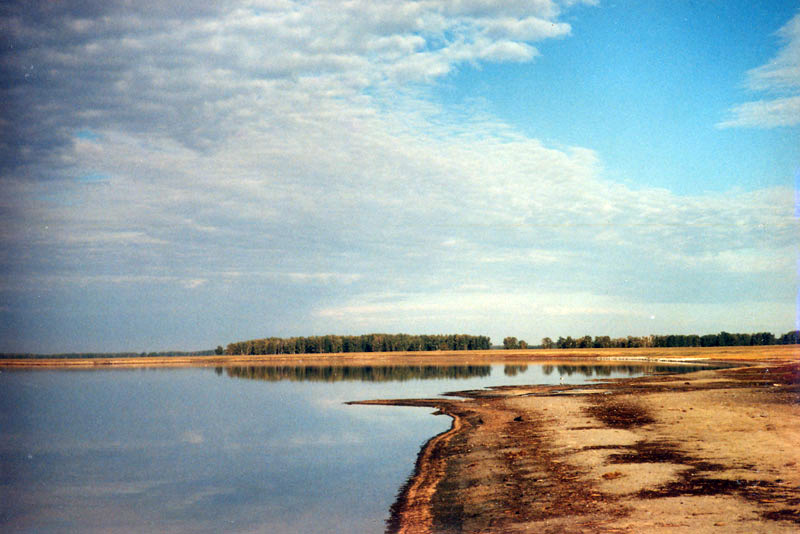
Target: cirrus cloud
[{"x": 779, "y": 76}]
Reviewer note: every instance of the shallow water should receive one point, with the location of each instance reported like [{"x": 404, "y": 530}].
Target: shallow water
[{"x": 266, "y": 449}]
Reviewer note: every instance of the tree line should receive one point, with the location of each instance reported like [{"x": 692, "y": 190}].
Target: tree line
[
  {"x": 723, "y": 339},
  {"x": 362, "y": 343},
  {"x": 513, "y": 343}
]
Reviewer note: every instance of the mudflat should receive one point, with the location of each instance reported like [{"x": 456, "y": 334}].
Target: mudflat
[{"x": 709, "y": 451}]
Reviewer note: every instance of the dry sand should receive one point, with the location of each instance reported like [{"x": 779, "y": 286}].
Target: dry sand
[{"x": 712, "y": 451}]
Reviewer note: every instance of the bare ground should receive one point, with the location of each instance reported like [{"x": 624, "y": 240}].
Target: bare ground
[{"x": 709, "y": 451}]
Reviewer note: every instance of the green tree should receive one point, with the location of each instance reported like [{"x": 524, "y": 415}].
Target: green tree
[{"x": 602, "y": 342}]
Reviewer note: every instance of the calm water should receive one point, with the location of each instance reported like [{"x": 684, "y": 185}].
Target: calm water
[{"x": 253, "y": 449}]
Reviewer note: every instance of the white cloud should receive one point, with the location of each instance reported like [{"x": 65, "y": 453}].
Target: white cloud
[
  {"x": 765, "y": 113},
  {"x": 527, "y": 29},
  {"x": 782, "y": 71},
  {"x": 507, "y": 51},
  {"x": 750, "y": 261},
  {"x": 542, "y": 8},
  {"x": 521, "y": 306},
  {"x": 292, "y": 144},
  {"x": 534, "y": 315},
  {"x": 780, "y": 75}
]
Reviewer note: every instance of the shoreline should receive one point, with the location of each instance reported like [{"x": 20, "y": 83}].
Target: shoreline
[
  {"x": 712, "y": 450},
  {"x": 601, "y": 356}
]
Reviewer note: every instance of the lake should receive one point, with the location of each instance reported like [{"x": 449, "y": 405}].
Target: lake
[{"x": 238, "y": 449}]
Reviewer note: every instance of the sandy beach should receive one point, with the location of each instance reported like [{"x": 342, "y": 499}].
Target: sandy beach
[{"x": 710, "y": 451}]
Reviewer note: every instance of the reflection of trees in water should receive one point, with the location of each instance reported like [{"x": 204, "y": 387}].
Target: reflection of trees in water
[
  {"x": 398, "y": 373},
  {"x": 356, "y": 373},
  {"x": 630, "y": 370},
  {"x": 514, "y": 370}
]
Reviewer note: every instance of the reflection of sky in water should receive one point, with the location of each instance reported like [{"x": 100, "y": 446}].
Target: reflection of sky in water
[{"x": 186, "y": 450}]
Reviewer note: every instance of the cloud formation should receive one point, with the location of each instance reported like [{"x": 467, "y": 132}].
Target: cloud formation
[
  {"x": 195, "y": 74},
  {"x": 262, "y": 147},
  {"x": 779, "y": 77}
]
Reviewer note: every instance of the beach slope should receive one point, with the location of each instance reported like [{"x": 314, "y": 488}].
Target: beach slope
[{"x": 709, "y": 451}]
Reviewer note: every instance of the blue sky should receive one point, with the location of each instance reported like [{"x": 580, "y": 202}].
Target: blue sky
[
  {"x": 665, "y": 74},
  {"x": 175, "y": 176}
]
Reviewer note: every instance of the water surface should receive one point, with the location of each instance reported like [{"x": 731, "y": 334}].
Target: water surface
[{"x": 240, "y": 449}]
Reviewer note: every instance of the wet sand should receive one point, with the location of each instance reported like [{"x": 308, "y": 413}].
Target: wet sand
[{"x": 710, "y": 451}]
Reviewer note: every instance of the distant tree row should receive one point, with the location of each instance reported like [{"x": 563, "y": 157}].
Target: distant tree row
[
  {"x": 362, "y": 343},
  {"x": 723, "y": 339},
  {"x": 512, "y": 343}
]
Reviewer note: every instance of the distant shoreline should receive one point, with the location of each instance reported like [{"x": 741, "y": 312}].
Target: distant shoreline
[{"x": 651, "y": 354}]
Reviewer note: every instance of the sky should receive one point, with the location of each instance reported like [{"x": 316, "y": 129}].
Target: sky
[{"x": 177, "y": 176}]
